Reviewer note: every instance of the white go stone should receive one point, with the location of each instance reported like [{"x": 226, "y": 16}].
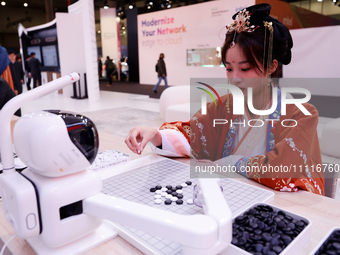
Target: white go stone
[
  {"x": 158, "y": 201},
  {"x": 173, "y": 199},
  {"x": 158, "y": 191},
  {"x": 158, "y": 196},
  {"x": 168, "y": 196},
  {"x": 179, "y": 191},
  {"x": 164, "y": 194},
  {"x": 164, "y": 189},
  {"x": 190, "y": 201},
  {"x": 184, "y": 185}
]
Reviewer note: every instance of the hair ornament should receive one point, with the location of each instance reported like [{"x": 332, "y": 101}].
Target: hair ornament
[
  {"x": 241, "y": 24},
  {"x": 269, "y": 25}
]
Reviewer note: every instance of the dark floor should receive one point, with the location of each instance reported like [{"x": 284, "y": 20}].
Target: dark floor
[{"x": 131, "y": 87}]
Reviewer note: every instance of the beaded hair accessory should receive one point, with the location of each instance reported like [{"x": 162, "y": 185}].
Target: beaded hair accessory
[{"x": 241, "y": 24}]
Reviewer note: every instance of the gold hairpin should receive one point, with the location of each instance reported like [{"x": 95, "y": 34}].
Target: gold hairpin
[{"x": 241, "y": 24}]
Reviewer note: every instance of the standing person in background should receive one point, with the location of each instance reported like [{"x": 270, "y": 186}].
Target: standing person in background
[
  {"x": 125, "y": 68},
  {"x": 6, "y": 93},
  {"x": 16, "y": 71},
  {"x": 34, "y": 64},
  {"x": 28, "y": 73},
  {"x": 100, "y": 67},
  {"x": 18, "y": 66},
  {"x": 109, "y": 66},
  {"x": 161, "y": 70}
]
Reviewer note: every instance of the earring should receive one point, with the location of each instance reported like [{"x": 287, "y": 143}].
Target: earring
[{"x": 269, "y": 82}]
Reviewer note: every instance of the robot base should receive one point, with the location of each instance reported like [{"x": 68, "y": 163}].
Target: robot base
[{"x": 104, "y": 233}]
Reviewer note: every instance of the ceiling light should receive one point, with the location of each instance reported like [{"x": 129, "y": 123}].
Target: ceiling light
[
  {"x": 130, "y": 6},
  {"x": 106, "y": 6},
  {"x": 149, "y": 7},
  {"x": 3, "y": 3},
  {"x": 25, "y": 4},
  {"x": 169, "y": 6},
  {"x": 151, "y": 3},
  {"x": 98, "y": 31},
  {"x": 320, "y": 0}
]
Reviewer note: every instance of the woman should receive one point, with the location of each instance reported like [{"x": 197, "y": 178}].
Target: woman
[
  {"x": 255, "y": 44},
  {"x": 161, "y": 72}
]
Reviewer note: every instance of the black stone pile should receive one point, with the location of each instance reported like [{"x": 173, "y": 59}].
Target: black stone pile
[
  {"x": 331, "y": 246},
  {"x": 263, "y": 230}
]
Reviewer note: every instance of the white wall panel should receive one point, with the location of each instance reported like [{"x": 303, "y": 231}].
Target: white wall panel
[
  {"x": 78, "y": 47},
  {"x": 202, "y": 26},
  {"x": 108, "y": 28}
]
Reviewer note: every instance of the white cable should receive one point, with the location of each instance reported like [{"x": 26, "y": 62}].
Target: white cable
[{"x": 4, "y": 247}]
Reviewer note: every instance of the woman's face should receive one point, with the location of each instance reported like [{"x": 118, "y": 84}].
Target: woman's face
[{"x": 241, "y": 74}]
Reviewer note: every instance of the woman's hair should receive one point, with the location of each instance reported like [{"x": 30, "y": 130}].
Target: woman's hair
[
  {"x": 161, "y": 56},
  {"x": 253, "y": 43}
]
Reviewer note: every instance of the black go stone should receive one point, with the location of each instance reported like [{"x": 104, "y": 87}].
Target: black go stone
[
  {"x": 169, "y": 187},
  {"x": 281, "y": 224},
  {"x": 336, "y": 246},
  {"x": 281, "y": 213},
  {"x": 178, "y": 187},
  {"x": 271, "y": 253},
  {"x": 174, "y": 189},
  {"x": 158, "y": 187},
  {"x": 259, "y": 247},
  {"x": 291, "y": 226},
  {"x": 179, "y": 201},
  {"x": 331, "y": 245},
  {"x": 152, "y": 189},
  {"x": 168, "y": 202},
  {"x": 254, "y": 225},
  {"x": 263, "y": 230},
  {"x": 169, "y": 191},
  {"x": 174, "y": 194},
  {"x": 179, "y": 196},
  {"x": 188, "y": 183},
  {"x": 274, "y": 241}
]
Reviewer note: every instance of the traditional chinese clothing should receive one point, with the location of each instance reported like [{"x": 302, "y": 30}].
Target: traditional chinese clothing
[{"x": 293, "y": 144}]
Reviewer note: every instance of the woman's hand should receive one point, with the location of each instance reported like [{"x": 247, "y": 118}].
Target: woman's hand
[{"x": 138, "y": 137}]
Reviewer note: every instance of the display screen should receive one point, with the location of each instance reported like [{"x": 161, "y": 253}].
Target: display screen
[
  {"x": 206, "y": 57},
  {"x": 36, "y": 50},
  {"x": 50, "y": 55}
]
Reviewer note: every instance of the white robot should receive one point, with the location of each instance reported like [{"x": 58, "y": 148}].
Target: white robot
[{"x": 57, "y": 199}]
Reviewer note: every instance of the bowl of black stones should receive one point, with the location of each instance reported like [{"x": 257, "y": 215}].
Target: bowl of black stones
[
  {"x": 268, "y": 230},
  {"x": 330, "y": 245}
]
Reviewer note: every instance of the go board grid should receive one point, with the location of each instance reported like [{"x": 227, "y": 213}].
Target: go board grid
[{"x": 135, "y": 186}]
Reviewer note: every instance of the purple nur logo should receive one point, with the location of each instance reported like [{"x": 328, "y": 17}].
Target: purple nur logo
[{"x": 238, "y": 101}]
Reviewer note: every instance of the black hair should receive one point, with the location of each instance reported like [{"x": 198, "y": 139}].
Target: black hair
[{"x": 252, "y": 43}]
